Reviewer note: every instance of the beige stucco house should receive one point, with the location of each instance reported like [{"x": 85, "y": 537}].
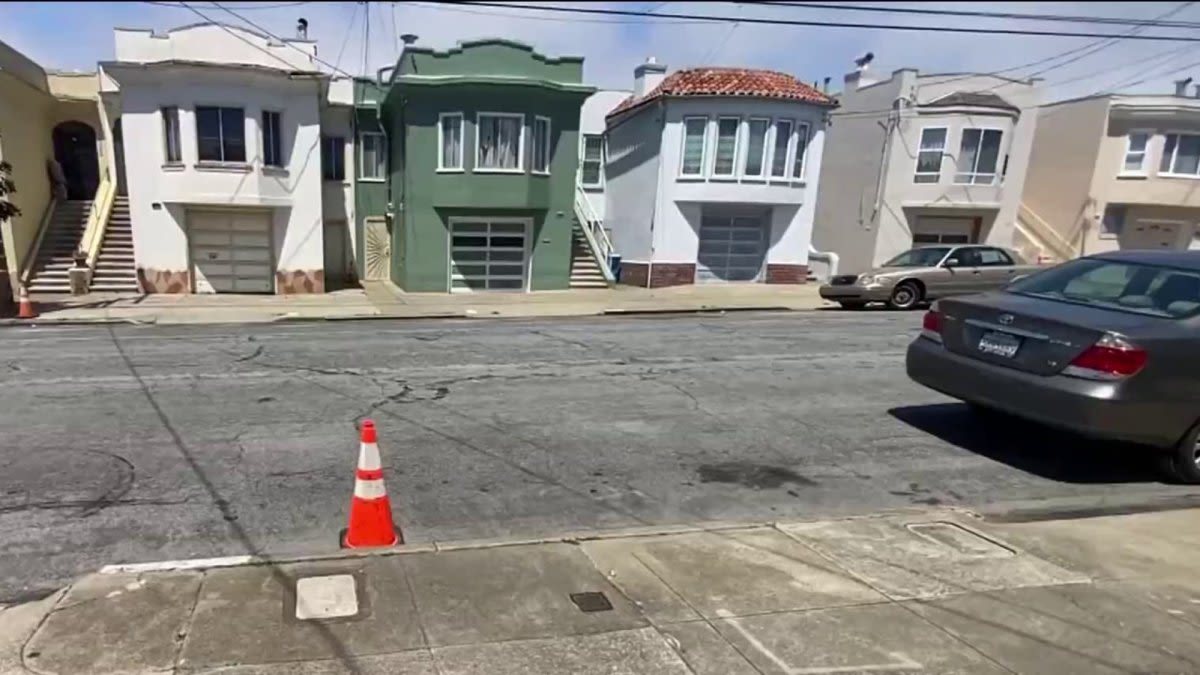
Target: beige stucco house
[
  {"x": 43, "y": 116},
  {"x": 915, "y": 159},
  {"x": 1114, "y": 172}
]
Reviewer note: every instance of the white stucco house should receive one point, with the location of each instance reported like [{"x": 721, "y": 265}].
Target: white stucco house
[
  {"x": 221, "y": 132},
  {"x": 591, "y": 144},
  {"x": 711, "y": 175}
]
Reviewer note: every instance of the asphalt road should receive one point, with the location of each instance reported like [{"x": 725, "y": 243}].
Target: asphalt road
[{"x": 151, "y": 443}]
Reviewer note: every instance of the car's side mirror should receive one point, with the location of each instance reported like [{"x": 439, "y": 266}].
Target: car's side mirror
[{"x": 951, "y": 262}]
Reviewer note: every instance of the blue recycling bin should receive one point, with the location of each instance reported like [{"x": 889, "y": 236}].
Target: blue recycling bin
[{"x": 614, "y": 264}]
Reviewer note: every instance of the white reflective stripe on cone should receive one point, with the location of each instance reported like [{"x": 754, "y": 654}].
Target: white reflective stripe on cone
[
  {"x": 369, "y": 489},
  {"x": 368, "y": 457}
]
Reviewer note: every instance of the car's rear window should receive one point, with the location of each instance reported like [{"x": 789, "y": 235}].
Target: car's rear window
[
  {"x": 919, "y": 257},
  {"x": 1123, "y": 286}
]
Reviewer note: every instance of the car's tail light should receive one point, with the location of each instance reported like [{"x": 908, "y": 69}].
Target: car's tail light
[
  {"x": 1111, "y": 358},
  {"x": 931, "y": 325}
]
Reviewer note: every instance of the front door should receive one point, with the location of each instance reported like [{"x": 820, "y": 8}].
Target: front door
[
  {"x": 731, "y": 248},
  {"x": 75, "y": 152},
  {"x": 337, "y": 258},
  {"x": 119, "y": 157}
]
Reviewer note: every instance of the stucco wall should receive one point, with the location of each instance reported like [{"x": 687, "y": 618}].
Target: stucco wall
[
  {"x": 850, "y": 174},
  {"x": 213, "y": 44},
  {"x": 632, "y": 182},
  {"x": 677, "y": 221},
  {"x": 25, "y": 142},
  {"x": 1063, "y": 162},
  {"x": 337, "y": 197},
  {"x": 591, "y": 122},
  {"x": 294, "y": 193}
]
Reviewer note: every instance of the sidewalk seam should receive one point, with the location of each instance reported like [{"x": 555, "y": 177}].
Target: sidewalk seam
[
  {"x": 42, "y": 622},
  {"x": 187, "y": 623},
  {"x": 902, "y": 605}
]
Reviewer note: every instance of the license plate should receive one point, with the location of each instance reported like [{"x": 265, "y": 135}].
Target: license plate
[{"x": 999, "y": 344}]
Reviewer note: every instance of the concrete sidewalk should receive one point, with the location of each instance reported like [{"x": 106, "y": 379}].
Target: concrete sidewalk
[
  {"x": 934, "y": 592},
  {"x": 384, "y": 300}
]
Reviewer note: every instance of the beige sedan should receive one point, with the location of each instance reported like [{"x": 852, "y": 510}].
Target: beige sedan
[{"x": 927, "y": 273}]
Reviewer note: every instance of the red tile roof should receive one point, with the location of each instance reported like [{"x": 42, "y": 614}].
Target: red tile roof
[{"x": 746, "y": 82}]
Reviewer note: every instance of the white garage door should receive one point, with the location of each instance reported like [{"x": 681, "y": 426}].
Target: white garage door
[
  {"x": 943, "y": 230},
  {"x": 488, "y": 254},
  {"x": 731, "y": 248},
  {"x": 231, "y": 252}
]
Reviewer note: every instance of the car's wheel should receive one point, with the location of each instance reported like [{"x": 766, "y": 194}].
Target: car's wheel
[
  {"x": 1184, "y": 460},
  {"x": 852, "y": 305},
  {"x": 905, "y": 295}
]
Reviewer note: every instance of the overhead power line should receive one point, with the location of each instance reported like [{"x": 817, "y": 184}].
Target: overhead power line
[
  {"x": 825, "y": 24},
  {"x": 257, "y": 5},
  {"x": 270, "y": 34},
  {"x": 1067, "y": 18}
]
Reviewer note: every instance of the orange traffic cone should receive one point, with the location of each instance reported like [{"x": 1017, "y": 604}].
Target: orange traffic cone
[
  {"x": 370, "y": 511},
  {"x": 25, "y": 310}
]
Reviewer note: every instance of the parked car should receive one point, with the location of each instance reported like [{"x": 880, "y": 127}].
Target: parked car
[
  {"x": 1104, "y": 346},
  {"x": 927, "y": 273}
]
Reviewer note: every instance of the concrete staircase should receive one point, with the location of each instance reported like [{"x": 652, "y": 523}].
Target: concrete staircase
[
  {"x": 585, "y": 271},
  {"x": 115, "y": 269},
  {"x": 55, "y": 255}
]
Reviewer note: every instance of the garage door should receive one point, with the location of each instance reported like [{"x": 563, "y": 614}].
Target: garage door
[
  {"x": 731, "y": 248},
  {"x": 488, "y": 254},
  {"x": 231, "y": 252},
  {"x": 943, "y": 230}
]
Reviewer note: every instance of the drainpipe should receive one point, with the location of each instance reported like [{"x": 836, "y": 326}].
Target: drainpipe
[
  {"x": 662, "y": 125},
  {"x": 828, "y": 257}
]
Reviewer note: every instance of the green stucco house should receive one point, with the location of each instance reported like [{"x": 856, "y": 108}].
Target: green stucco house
[{"x": 483, "y": 151}]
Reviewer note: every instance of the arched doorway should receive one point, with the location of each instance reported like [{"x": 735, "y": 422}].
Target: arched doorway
[
  {"x": 75, "y": 151},
  {"x": 118, "y": 137}
]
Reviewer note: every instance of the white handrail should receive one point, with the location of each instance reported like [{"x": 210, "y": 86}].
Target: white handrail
[
  {"x": 593, "y": 231},
  {"x": 1044, "y": 233}
]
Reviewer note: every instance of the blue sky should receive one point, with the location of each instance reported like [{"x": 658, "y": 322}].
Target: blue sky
[{"x": 74, "y": 36}]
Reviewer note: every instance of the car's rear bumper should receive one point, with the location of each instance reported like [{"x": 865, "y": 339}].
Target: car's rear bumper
[
  {"x": 855, "y": 293},
  {"x": 1078, "y": 405}
]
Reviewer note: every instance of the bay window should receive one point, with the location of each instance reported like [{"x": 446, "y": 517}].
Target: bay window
[
  {"x": 929, "y": 155},
  {"x": 450, "y": 133},
  {"x": 695, "y": 135},
  {"x": 540, "y": 161},
  {"x": 801, "y": 150},
  {"x": 499, "y": 141},
  {"x": 977, "y": 156},
  {"x": 779, "y": 154},
  {"x": 1181, "y": 156},
  {"x": 727, "y": 146},
  {"x": 756, "y": 148}
]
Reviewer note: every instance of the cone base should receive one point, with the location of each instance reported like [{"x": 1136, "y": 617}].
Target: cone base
[{"x": 370, "y": 525}]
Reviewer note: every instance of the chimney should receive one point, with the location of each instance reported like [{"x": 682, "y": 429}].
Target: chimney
[
  {"x": 825, "y": 86},
  {"x": 859, "y": 78},
  {"x": 648, "y": 76},
  {"x": 1181, "y": 86},
  {"x": 302, "y": 29}
]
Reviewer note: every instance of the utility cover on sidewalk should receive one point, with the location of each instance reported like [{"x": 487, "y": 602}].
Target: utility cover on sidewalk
[{"x": 327, "y": 597}]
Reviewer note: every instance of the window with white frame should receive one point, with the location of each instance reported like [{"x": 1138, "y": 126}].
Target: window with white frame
[
  {"x": 725, "y": 157},
  {"x": 272, "y": 139},
  {"x": 372, "y": 156},
  {"x": 1135, "y": 152},
  {"x": 756, "y": 147},
  {"x": 499, "y": 141},
  {"x": 591, "y": 168},
  {"x": 978, "y": 154},
  {"x": 1181, "y": 155},
  {"x": 779, "y": 152},
  {"x": 929, "y": 155},
  {"x": 172, "y": 150},
  {"x": 333, "y": 158},
  {"x": 450, "y": 148},
  {"x": 801, "y": 151},
  {"x": 540, "y": 159},
  {"x": 220, "y": 134},
  {"x": 695, "y": 136}
]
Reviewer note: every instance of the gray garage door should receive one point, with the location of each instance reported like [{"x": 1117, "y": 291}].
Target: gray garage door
[
  {"x": 488, "y": 254},
  {"x": 731, "y": 248},
  {"x": 231, "y": 251}
]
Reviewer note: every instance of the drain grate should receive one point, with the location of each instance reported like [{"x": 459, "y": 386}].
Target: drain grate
[{"x": 591, "y": 601}]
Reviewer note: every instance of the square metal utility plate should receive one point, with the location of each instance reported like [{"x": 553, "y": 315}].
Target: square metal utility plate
[{"x": 591, "y": 601}]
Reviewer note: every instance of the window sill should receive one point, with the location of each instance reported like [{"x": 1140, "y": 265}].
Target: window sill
[
  {"x": 592, "y": 186},
  {"x": 540, "y": 173},
  {"x": 275, "y": 171},
  {"x": 174, "y": 166},
  {"x": 507, "y": 171},
  {"x": 1109, "y": 236},
  {"x": 757, "y": 179},
  {"x": 340, "y": 181},
  {"x": 223, "y": 167},
  {"x": 372, "y": 180},
  {"x": 1132, "y": 176},
  {"x": 691, "y": 179},
  {"x": 723, "y": 179},
  {"x": 451, "y": 170},
  {"x": 1188, "y": 176}
]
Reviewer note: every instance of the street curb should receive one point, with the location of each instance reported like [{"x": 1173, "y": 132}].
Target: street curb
[
  {"x": 702, "y": 310},
  {"x": 200, "y": 564}
]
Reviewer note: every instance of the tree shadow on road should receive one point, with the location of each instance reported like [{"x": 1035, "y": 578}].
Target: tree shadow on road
[{"x": 1033, "y": 448}]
